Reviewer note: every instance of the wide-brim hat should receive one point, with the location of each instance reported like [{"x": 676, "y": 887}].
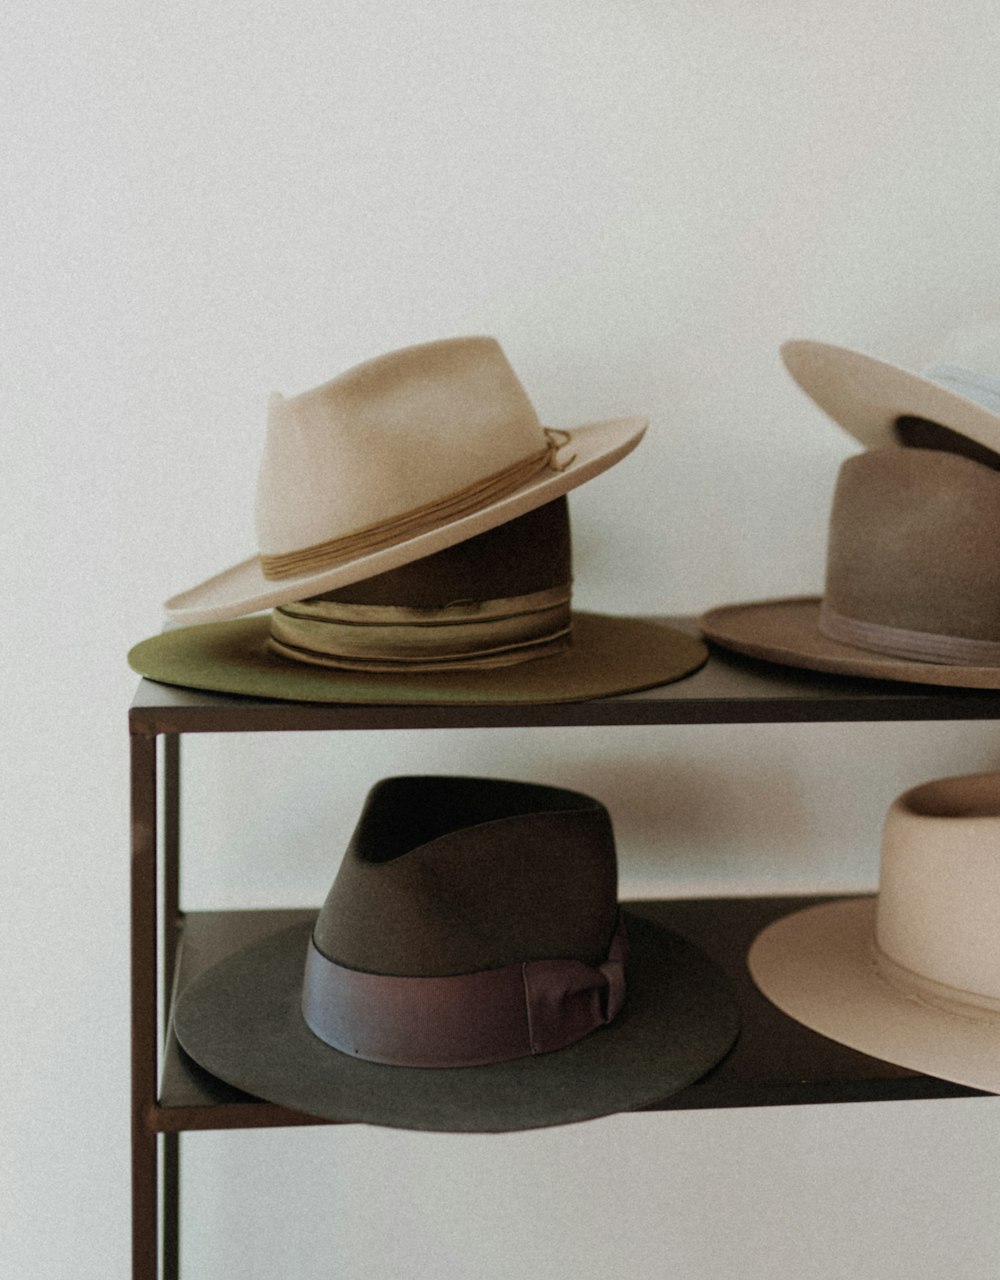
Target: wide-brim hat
[
  {"x": 486, "y": 620},
  {"x": 911, "y": 976},
  {"x": 391, "y": 461},
  {"x": 912, "y": 588},
  {"x": 870, "y": 397},
  {"x": 473, "y": 967}
]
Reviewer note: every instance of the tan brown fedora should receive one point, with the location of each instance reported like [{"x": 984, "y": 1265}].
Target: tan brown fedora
[
  {"x": 881, "y": 404},
  {"x": 392, "y": 461},
  {"x": 912, "y": 581},
  {"x": 486, "y": 620},
  {"x": 913, "y": 975},
  {"x": 471, "y": 969}
]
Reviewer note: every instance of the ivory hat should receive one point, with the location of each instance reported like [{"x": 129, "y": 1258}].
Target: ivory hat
[
  {"x": 911, "y": 976},
  {"x": 486, "y": 620},
  {"x": 393, "y": 460},
  {"x": 470, "y": 970},
  {"x": 869, "y": 397},
  {"x": 912, "y": 579}
]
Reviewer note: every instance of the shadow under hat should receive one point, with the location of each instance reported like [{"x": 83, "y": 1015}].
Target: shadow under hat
[{"x": 471, "y": 970}]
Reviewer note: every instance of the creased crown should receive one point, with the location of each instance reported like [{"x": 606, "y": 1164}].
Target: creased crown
[
  {"x": 448, "y": 875},
  {"x": 388, "y": 437}
]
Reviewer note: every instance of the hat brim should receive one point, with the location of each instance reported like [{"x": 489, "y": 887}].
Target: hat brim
[
  {"x": 243, "y": 589},
  {"x": 608, "y": 655},
  {"x": 818, "y": 966},
  {"x": 866, "y": 396},
  {"x": 241, "y": 1021},
  {"x": 787, "y": 631}
]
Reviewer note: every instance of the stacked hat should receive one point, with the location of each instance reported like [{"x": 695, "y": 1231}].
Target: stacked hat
[
  {"x": 471, "y": 969},
  {"x": 912, "y": 587},
  {"x": 911, "y": 976},
  {"x": 413, "y": 544}
]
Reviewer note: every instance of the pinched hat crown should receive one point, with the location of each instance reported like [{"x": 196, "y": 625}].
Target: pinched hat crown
[
  {"x": 394, "y": 460},
  {"x": 448, "y": 875},
  {"x": 472, "y": 921},
  {"x": 396, "y": 443}
]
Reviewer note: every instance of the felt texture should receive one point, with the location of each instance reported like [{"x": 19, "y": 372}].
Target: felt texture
[
  {"x": 457, "y": 875},
  {"x": 867, "y": 396},
  {"x": 912, "y": 976},
  {"x": 398, "y": 440},
  {"x": 387, "y": 437},
  {"x": 242, "y": 1021},
  {"x": 453, "y": 875},
  {"x": 608, "y": 655},
  {"x": 914, "y": 544}
]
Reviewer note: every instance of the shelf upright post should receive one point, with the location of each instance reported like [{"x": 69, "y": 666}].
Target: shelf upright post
[
  {"x": 145, "y": 1242},
  {"x": 171, "y": 930}
]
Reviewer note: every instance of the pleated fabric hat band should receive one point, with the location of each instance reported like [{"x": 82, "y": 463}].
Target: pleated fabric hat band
[
  {"x": 463, "y": 1020},
  {"x": 459, "y": 636}
]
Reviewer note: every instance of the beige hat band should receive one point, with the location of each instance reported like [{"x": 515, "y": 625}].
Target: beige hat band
[
  {"x": 955, "y": 1000},
  {"x": 386, "y": 533},
  {"x": 901, "y": 642},
  {"x": 366, "y": 637}
]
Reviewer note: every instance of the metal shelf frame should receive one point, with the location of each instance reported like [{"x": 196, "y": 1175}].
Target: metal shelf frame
[{"x": 775, "y": 1062}]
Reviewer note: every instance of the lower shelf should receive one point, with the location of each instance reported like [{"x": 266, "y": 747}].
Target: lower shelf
[{"x": 775, "y": 1062}]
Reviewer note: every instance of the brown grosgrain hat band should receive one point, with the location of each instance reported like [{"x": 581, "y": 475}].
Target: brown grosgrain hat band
[{"x": 462, "y": 1020}]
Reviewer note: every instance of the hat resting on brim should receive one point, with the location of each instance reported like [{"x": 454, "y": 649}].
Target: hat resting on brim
[
  {"x": 878, "y": 402},
  {"x": 912, "y": 580},
  {"x": 913, "y": 975},
  {"x": 452, "y": 888},
  {"x": 485, "y": 621},
  {"x": 394, "y": 460}
]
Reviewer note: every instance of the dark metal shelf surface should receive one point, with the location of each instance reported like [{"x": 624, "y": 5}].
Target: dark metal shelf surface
[
  {"x": 775, "y": 1062},
  {"x": 729, "y": 689}
]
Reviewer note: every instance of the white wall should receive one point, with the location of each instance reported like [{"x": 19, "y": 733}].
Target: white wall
[{"x": 205, "y": 202}]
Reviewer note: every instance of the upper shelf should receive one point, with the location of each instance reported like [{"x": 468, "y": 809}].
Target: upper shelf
[{"x": 729, "y": 689}]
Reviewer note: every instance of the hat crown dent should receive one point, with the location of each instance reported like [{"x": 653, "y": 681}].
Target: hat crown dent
[
  {"x": 389, "y": 436},
  {"x": 914, "y": 543},
  {"x": 938, "y": 908},
  {"x": 457, "y": 875}
]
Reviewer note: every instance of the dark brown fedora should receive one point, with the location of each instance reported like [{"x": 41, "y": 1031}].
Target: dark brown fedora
[
  {"x": 471, "y": 969},
  {"x": 912, "y": 582},
  {"x": 485, "y": 620}
]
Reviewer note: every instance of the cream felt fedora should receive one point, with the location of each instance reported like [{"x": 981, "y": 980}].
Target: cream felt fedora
[
  {"x": 911, "y": 976},
  {"x": 394, "y": 460},
  {"x": 470, "y": 970},
  {"x": 486, "y": 620},
  {"x": 912, "y": 578},
  {"x": 882, "y": 404}
]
